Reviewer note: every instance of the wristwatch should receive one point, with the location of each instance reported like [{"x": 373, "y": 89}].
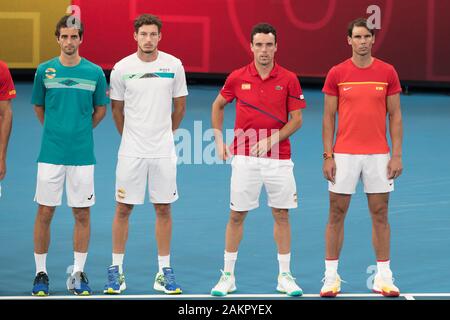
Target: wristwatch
[{"x": 328, "y": 155}]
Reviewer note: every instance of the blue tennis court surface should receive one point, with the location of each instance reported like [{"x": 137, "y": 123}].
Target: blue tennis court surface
[{"x": 419, "y": 212}]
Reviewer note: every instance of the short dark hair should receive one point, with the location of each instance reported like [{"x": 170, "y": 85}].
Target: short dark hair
[
  {"x": 360, "y": 22},
  {"x": 147, "y": 19},
  {"x": 69, "y": 21},
  {"x": 263, "y": 28}
]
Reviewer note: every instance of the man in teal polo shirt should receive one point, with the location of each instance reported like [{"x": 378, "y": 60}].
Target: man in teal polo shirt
[{"x": 70, "y": 96}]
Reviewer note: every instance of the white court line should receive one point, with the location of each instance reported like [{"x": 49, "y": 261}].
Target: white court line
[{"x": 407, "y": 296}]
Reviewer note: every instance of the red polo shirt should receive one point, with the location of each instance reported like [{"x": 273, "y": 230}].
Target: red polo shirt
[
  {"x": 362, "y": 94},
  {"x": 7, "y": 90},
  {"x": 262, "y": 107}
]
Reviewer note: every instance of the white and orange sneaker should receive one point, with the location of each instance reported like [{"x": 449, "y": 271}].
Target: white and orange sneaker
[
  {"x": 331, "y": 285},
  {"x": 384, "y": 284}
]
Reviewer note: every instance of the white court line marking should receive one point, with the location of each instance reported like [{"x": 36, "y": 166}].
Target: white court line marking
[{"x": 407, "y": 296}]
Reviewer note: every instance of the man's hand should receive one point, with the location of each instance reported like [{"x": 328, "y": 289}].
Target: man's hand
[
  {"x": 223, "y": 151},
  {"x": 261, "y": 148},
  {"x": 395, "y": 167},
  {"x": 329, "y": 170}
]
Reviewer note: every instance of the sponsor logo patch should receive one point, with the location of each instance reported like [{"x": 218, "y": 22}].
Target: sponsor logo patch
[
  {"x": 278, "y": 88},
  {"x": 50, "y": 73},
  {"x": 121, "y": 193},
  {"x": 246, "y": 86}
]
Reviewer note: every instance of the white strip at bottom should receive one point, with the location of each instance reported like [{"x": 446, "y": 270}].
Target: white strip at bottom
[{"x": 407, "y": 296}]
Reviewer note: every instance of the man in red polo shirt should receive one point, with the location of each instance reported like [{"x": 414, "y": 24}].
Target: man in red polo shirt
[
  {"x": 361, "y": 91},
  {"x": 7, "y": 92},
  {"x": 269, "y": 100}
]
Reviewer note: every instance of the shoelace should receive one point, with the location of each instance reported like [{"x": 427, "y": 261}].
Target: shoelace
[
  {"x": 289, "y": 277},
  {"x": 389, "y": 281},
  {"x": 224, "y": 276},
  {"x": 169, "y": 278},
  {"x": 41, "y": 277},
  {"x": 84, "y": 278},
  {"x": 329, "y": 280},
  {"x": 113, "y": 276}
]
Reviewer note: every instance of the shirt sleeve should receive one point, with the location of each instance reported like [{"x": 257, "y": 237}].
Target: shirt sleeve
[
  {"x": 331, "y": 86},
  {"x": 394, "y": 86},
  {"x": 39, "y": 90},
  {"x": 116, "y": 85},
  {"x": 228, "y": 90},
  {"x": 101, "y": 90},
  {"x": 295, "y": 98},
  {"x": 179, "y": 86},
  {"x": 7, "y": 90}
]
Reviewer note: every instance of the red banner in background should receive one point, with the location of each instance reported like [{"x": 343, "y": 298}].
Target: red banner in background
[{"x": 213, "y": 36}]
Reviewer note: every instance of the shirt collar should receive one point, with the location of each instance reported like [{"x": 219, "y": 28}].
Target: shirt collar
[{"x": 273, "y": 72}]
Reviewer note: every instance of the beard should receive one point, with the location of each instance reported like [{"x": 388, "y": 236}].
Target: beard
[
  {"x": 69, "y": 51},
  {"x": 147, "y": 51}
]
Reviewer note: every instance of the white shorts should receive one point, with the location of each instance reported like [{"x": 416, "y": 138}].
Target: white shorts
[
  {"x": 132, "y": 175},
  {"x": 371, "y": 168},
  {"x": 249, "y": 174},
  {"x": 79, "y": 185}
]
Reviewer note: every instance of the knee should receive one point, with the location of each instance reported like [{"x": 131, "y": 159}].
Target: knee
[
  {"x": 82, "y": 215},
  {"x": 337, "y": 214},
  {"x": 45, "y": 214},
  {"x": 237, "y": 218},
  {"x": 123, "y": 210},
  {"x": 380, "y": 215},
  {"x": 281, "y": 216},
  {"x": 163, "y": 211}
]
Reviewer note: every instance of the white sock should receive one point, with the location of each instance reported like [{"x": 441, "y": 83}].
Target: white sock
[
  {"x": 79, "y": 261},
  {"x": 40, "y": 260},
  {"x": 284, "y": 261},
  {"x": 331, "y": 266},
  {"x": 384, "y": 268},
  {"x": 163, "y": 262},
  {"x": 117, "y": 260},
  {"x": 229, "y": 261}
]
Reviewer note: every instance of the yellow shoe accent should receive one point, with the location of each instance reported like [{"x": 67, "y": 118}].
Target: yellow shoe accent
[{"x": 331, "y": 287}]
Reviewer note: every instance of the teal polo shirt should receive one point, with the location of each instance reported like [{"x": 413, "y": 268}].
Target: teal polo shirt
[{"x": 69, "y": 95}]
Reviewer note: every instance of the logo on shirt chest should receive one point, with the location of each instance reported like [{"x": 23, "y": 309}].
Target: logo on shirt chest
[
  {"x": 278, "y": 88},
  {"x": 50, "y": 73},
  {"x": 164, "y": 69},
  {"x": 246, "y": 86}
]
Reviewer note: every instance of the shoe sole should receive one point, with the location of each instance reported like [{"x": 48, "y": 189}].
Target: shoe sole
[
  {"x": 39, "y": 294},
  {"x": 112, "y": 291},
  {"x": 390, "y": 294},
  {"x": 329, "y": 294},
  {"x": 177, "y": 291},
  {"x": 221, "y": 293},
  {"x": 297, "y": 293},
  {"x": 160, "y": 288}
]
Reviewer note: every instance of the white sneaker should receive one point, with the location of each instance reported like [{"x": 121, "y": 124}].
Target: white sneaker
[
  {"x": 331, "y": 285},
  {"x": 226, "y": 285},
  {"x": 384, "y": 284},
  {"x": 286, "y": 284}
]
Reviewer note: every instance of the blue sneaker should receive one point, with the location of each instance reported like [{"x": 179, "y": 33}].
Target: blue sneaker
[
  {"x": 116, "y": 281},
  {"x": 78, "y": 284},
  {"x": 166, "y": 282},
  {"x": 40, "y": 285}
]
